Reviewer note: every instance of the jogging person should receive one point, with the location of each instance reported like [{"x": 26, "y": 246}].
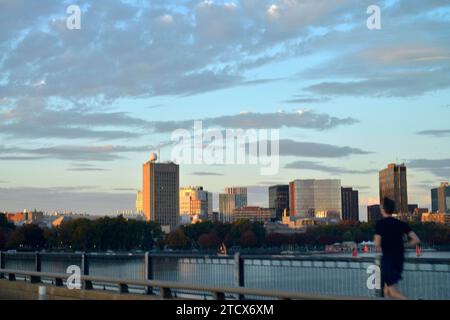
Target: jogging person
[{"x": 389, "y": 236}]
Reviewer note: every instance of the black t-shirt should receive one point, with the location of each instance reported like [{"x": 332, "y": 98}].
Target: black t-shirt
[{"x": 392, "y": 232}]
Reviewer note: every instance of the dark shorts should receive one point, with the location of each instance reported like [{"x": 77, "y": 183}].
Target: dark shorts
[{"x": 391, "y": 271}]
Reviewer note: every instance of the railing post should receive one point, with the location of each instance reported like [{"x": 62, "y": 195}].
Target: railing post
[
  {"x": 165, "y": 293},
  {"x": 2, "y": 264},
  {"x": 37, "y": 268},
  {"x": 148, "y": 261},
  {"x": 379, "y": 292},
  {"x": 239, "y": 272},
  {"x": 87, "y": 285},
  {"x": 123, "y": 288},
  {"x": 218, "y": 295}
]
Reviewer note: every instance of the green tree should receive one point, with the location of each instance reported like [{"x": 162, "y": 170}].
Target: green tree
[
  {"x": 347, "y": 236},
  {"x": 209, "y": 241},
  {"x": 177, "y": 239},
  {"x": 29, "y": 236},
  {"x": 248, "y": 239}
]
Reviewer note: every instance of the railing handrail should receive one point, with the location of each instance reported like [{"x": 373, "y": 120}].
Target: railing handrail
[
  {"x": 185, "y": 286},
  {"x": 313, "y": 257}
]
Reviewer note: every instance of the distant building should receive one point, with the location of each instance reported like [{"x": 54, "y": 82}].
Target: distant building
[
  {"x": 279, "y": 227},
  {"x": 350, "y": 204},
  {"x": 412, "y": 208},
  {"x": 393, "y": 184},
  {"x": 215, "y": 216},
  {"x": 139, "y": 202},
  {"x": 374, "y": 213},
  {"x": 25, "y": 217},
  {"x": 60, "y": 220},
  {"x": 440, "y": 198},
  {"x": 315, "y": 198},
  {"x": 442, "y": 218},
  {"x": 254, "y": 214},
  {"x": 160, "y": 193},
  {"x": 16, "y": 218},
  {"x": 278, "y": 200},
  {"x": 233, "y": 198},
  {"x": 195, "y": 203}
]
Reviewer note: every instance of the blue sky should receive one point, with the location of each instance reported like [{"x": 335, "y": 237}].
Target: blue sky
[{"x": 80, "y": 110}]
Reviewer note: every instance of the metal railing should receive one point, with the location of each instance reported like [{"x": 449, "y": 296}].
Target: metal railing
[
  {"x": 167, "y": 288},
  {"x": 425, "y": 278}
]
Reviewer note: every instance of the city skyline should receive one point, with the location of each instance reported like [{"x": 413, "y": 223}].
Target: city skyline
[{"x": 84, "y": 109}]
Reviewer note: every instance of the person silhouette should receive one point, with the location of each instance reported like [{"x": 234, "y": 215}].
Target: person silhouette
[{"x": 389, "y": 236}]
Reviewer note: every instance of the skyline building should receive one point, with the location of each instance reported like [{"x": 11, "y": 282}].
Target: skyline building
[
  {"x": 160, "y": 193},
  {"x": 374, "y": 213},
  {"x": 278, "y": 200},
  {"x": 350, "y": 204},
  {"x": 252, "y": 213},
  {"x": 440, "y": 198},
  {"x": 312, "y": 198},
  {"x": 196, "y": 203},
  {"x": 393, "y": 184},
  {"x": 139, "y": 202},
  {"x": 233, "y": 198}
]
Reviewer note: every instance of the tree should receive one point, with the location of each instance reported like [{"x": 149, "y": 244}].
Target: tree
[
  {"x": 209, "y": 241},
  {"x": 248, "y": 239},
  {"x": 347, "y": 236},
  {"x": 177, "y": 239},
  {"x": 29, "y": 236}
]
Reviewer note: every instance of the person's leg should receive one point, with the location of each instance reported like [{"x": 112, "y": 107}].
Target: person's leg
[
  {"x": 386, "y": 291},
  {"x": 394, "y": 293}
]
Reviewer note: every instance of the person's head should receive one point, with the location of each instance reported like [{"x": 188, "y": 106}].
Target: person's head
[{"x": 387, "y": 206}]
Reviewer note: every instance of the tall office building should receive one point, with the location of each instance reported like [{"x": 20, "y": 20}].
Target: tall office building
[
  {"x": 254, "y": 214},
  {"x": 160, "y": 193},
  {"x": 394, "y": 186},
  {"x": 315, "y": 198},
  {"x": 440, "y": 198},
  {"x": 195, "y": 203},
  {"x": 350, "y": 204},
  {"x": 139, "y": 203},
  {"x": 374, "y": 213},
  {"x": 278, "y": 200},
  {"x": 233, "y": 198}
]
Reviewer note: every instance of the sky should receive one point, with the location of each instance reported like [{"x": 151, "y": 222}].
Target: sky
[{"x": 82, "y": 109}]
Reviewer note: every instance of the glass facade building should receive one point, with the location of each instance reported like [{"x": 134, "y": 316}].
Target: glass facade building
[
  {"x": 278, "y": 200},
  {"x": 315, "y": 198},
  {"x": 350, "y": 204},
  {"x": 440, "y": 198},
  {"x": 393, "y": 185},
  {"x": 233, "y": 198}
]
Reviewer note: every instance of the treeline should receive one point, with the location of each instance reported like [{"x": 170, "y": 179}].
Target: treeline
[
  {"x": 121, "y": 235},
  {"x": 87, "y": 235}
]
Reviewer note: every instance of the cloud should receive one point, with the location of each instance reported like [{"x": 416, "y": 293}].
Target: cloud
[
  {"x": 203, "y": 173},
  {"x": 439, "y": 167},
  {"x": 317, "y": 150},
  {"x": 435, "y": 133},
  {"x": 74, "y": 153},
  {"x": 315, "y": 166},
  {"x": 87, "y": 169},
  {"x": 402, "y": 84},
  {"x": 300, "y": 99},
  {"x": 304, "y": 119},
  {"x": 77, "y": 199},
  {"x": 46, "y": 120}
]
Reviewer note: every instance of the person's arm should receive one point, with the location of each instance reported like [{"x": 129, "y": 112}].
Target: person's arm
[
  {"x": 377, "y": 241},
  {"x": 413, "y": 239}
]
